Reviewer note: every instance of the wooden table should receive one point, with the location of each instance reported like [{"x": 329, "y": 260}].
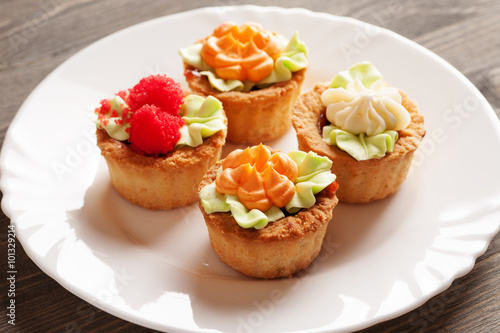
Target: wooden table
[{"x": 37, "y": 36}]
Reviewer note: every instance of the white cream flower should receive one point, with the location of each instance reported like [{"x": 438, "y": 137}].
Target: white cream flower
[{"x": 357, "y": 109}]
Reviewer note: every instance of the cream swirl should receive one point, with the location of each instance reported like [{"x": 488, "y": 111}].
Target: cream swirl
[{"x": 371, "y": 110}]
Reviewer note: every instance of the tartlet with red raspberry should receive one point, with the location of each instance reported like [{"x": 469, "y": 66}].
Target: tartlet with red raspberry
[{"x": 158, "y": 142}]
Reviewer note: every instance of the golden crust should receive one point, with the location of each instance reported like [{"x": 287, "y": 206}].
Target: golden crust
[
  {"x": 359, "y": 181},
  {"x": 159, "y": 182},
  {"x": 255, "y": 116},
  {"x": 281, "y": 248}
]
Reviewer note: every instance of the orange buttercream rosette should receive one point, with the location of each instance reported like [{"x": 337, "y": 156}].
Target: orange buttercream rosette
[
  {"x": 241, "y": 53},
  {"x": 258, "y": 177}
]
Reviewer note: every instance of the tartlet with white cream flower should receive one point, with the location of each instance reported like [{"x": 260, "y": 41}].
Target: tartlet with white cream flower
[{"x": 368, "y": 129}]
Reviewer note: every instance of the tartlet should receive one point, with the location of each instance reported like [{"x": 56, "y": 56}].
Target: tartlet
[
  {"x": 158, "y": 142},
  {"x": 279, "y": 248},
  {"x": 254, "y": 73},
  {"x": 360, "y": 181}
]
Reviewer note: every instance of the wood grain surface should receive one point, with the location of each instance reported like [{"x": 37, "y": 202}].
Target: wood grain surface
[{"x": 38, "y": 35}]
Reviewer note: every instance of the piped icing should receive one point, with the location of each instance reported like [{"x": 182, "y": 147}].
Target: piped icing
[
  {"x": 154, "y": 117},
  {"x": 364, "y": 112},
  {"x": 241, "y": 53},
  {"x": 313, "y": 176},
  {"x": 259, "y": 179},
  {"x": 237, "y": 58},
  {"x": 254, "y": 184},
  {"x": 203, "y": 117}
]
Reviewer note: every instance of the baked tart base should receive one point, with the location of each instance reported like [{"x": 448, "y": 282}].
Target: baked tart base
[{"x": 159, "y": 182}]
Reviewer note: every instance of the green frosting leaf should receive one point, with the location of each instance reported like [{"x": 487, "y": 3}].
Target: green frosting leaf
[
  {"x": 212, "y": 201},
  {"x": 191, "y": 55},
  {"x": 314, "y": 175},
  {"x": 364, "y": 71},
  {"x": 361, "y": 147},
  {"x": 253, "y": 218},
  {"x": 203, "y": 118},
  {"x": 225, "y": 85},
  {"x": 114, "y": 126},
  {"x": 293, "y": 57}
]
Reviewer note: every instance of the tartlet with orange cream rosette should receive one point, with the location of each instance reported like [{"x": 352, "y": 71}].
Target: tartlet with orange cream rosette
[
  {"x": 267, "y": 212},
  {"x": 255, "y": 73}
]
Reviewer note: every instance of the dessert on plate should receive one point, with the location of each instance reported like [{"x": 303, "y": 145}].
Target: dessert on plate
[
  {"x": 368, "y": 129},
  {"x": 255, "y": 73},
  {"x": 266, "y": 211},
  {"x": 158, "y": 143}
]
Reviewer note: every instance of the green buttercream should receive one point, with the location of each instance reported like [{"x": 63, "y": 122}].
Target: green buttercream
[
  {"x": 226, "y": 85},
  {"x": 191, "y": 55},
  {"x": 313, "y": 176},
  {"x": 203, "y": 118},
  {"x": 114, "y": 126},
  {"x": 252, "y": 218},
  {"x": 361, "y": 147},
  {"x": 293, "y": 57},
  {"x": 364, "y": 71},
  {"x": 212, "y": 201}
]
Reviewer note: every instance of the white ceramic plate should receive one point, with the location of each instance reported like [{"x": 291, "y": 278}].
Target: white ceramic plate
[{"x": 157, "y": 269}]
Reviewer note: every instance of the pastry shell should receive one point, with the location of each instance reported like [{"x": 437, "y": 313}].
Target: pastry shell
[
  {"x": 159, "y": 182},
  {"x": 255, "y": 116}
]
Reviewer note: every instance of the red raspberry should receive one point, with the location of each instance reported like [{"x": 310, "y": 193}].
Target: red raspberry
[
  {"x": 153, "y": 131},
  {"x": 159, "y": 90}
]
